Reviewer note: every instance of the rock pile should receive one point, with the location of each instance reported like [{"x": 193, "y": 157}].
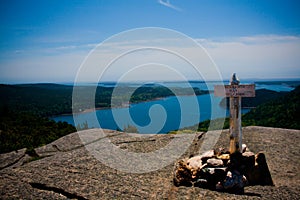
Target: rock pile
[{"x": 219, "y": 170}]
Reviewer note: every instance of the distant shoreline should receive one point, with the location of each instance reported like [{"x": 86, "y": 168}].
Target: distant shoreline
[{"x": 89, "y": 110}]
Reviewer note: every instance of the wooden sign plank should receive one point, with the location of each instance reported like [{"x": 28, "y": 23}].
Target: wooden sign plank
[{"x": 235, "y": 90}]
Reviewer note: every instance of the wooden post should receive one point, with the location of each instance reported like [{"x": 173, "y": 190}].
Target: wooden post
[
  {"x": 235, "y": 92},
  {"x": 235, "y": 117}
]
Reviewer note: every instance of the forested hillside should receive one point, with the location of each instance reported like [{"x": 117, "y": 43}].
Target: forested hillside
[
  {"x": 282, "y": 111},
  {"x": 38, "y": 99},
  {"x": 20, "y": 130},
  {"x": 53, "y": 99},
  {"x": 24, "y": 110},
  {"x": 261, "y": 96}
]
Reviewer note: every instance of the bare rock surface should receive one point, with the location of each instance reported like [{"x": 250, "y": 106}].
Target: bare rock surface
[
  {"x": 66, "y": 170},
  {"x": 12, "y": 159}
]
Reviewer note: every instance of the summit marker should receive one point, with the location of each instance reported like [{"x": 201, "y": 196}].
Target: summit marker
[{"x": 235, "y": 92}]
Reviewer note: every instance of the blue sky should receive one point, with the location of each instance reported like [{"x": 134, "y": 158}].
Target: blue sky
[{"x": 47, "y": 40}]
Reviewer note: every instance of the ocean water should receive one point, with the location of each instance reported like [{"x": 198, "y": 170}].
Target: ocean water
[{"x": 163, "y": 115}]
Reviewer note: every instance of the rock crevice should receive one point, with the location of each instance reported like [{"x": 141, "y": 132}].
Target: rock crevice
[{"x": 41, "y": 186}]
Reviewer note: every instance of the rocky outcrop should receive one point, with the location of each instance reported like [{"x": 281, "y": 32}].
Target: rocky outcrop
[
  {"x": 65, "y": 169},
  {"x": 12, "y": 159}
]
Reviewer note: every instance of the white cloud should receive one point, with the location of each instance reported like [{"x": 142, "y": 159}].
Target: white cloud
[
  {"x": 76, "y": 47},
  {"x": 264, "y": 39},
  {"x": 168, "y": 4},
  {"x": 65, "y": 47},
  {"x": 264, "y": 56}
]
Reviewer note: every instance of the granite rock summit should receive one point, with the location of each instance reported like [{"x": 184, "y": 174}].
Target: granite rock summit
[{"x": 64, "y": 169}]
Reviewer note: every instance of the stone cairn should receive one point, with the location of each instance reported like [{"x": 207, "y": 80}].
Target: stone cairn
[
  {"x": 227, "y": 171},
  {"x": 219, "y": 170}
]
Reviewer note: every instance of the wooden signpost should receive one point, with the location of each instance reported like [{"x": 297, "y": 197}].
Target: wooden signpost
[{"x": 235, "y": 92}]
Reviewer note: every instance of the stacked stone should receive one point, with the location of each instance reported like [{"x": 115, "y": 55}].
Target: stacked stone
[{"x": 219, "y": 170}]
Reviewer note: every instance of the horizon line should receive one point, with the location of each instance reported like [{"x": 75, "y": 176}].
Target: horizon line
[{"x": 146, "y": 82}]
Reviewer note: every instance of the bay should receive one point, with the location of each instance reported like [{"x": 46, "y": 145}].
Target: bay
[
  {"x": 143, "y": 115},
  {"x": 162, "y": 115}
]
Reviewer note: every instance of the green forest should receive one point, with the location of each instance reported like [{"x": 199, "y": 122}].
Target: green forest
[
  {"x": 261, "y": 96},
  {"x": 25, "y": 110},
  {"x": 25, "y": 130},
  {"x": 53, "y": 99},
  {"x": 272, "y": 109},
  {"x": 282, "y": 112}
]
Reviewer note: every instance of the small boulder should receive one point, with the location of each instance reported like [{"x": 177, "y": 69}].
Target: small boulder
[
  {"x": 194, "y": 164},
  {"x": 182, "y": 173},
  {"x": 259, "y": 173},
  {"x": 265, "y": 178},
  {"x": 234, "y": 182},
  {"x": 213, "y": 162},
  {"x": 244, "y": 148},
  {"x": 248, "y": 159},
  {"x": 207, "y": 155},
  {"x": 224, "y": 157},
  {"x": 209, "y": 177}
]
